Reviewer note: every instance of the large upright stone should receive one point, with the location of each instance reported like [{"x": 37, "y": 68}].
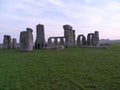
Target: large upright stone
[
  {"x": 61, "y": 40},
  {"x": 55, "y": 41},
  {"x": 93, "y": 38},
  {"x": 67, "y": 27},
  {"x": 26, "y": 40},
  {"x": 40, "y": 38},
  {"x": 83, "y": 40},
  {"x": 73, "y": 37},
  {"x": 90, "y": 39},
  {"x": 69, "y": 35},
  {"x": 7, "y": 42},
  {"x": 96, "y": 38},
  {"x": 78, "y": 40},
  {"x": 49, "y": 43},
  {"x": 14, "y": 43}
]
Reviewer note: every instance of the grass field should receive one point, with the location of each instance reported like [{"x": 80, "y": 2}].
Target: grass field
[{"x": 69, "y": 69}]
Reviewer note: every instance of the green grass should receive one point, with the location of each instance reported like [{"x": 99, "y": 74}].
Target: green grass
[{"x": 69, "y": 69}]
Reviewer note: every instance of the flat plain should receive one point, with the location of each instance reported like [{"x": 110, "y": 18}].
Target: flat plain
[{"x": 69, "y": 69}]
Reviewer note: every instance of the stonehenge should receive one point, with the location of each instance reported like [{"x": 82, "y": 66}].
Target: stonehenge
[
  {"x": 62, "y": 42},
  {"x": 26, "y": 40},
  {"x": 7, "y": 42},
  {"x": 40, "y": 37},
  {"x": 68, "y": 40},
  {"x": 74, "y": 37},
  {"x": 69, "y": 35},
  {"x": 92, "y": 39},
  {"x": 49, "y": 43},
  {"x": 81, "y": 40},
  {"x": 54, "y": 43},
  {"x": 14, "y": 43},
  {"x": 96, "y": 38}
]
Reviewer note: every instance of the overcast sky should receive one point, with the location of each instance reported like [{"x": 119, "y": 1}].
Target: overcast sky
[{"x": 86, "y": 16}]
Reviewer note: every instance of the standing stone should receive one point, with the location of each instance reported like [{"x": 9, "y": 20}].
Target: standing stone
[
  {"x": 30, "y": 39},
  {"x": 49, "y": 42},
  {"x": 40, "y": 38},
  {"x": 61, "y": 40},
  {"x": 7, "y": 42},
  {"x": 88, "y": 39},
  {"x": 23, "y": 41},
  {"x": 68, "y": 34},
  {"x": 26, "y": 40},
  {"x": 73, "y": 37},
  {"x": 96, "y": 38},
  {"x": 83, "y": 40},
  {"x": 14, "y": 43},
  {"x": 78, "y": 40},
  {"x": 55, "y": 41},
  {"x": 93, "y": 38}
]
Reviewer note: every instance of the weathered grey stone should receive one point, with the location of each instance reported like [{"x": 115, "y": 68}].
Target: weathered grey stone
[
  {"x": 93, "y": 38},
  {"x": 7, "y": 42},
  {"x": 55, "y": 41},
  {"x": 90, "y": 39},
  {"x": 49, "y": 42},
  {"x": 73, "y": 37},
  {"x": 61, "y": 40},
  {"x": 67, "y": 27},
  {"x": 83, "y": 40},
  {"x": 26, "y": 40},
  {"x": 14, "y": 43},
  {"x": 67, "y": 38},
  {"x": 96, "y": 38},
  {"x": 78, "y": 40},
  {"x": 69, "y": 35},
  {"x": 55, "y": 44},
  {"x": 40, "y": 38}
]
